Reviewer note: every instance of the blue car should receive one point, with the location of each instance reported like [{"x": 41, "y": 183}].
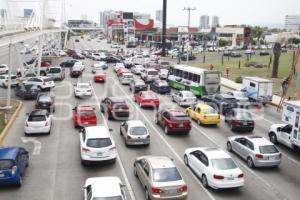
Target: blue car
[{"x": 13, "y": 162}]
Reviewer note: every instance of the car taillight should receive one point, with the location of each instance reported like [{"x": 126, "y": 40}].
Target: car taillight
[
  {"x": 156, "y": 190},
  {"x": 183, "y": 188},
  {"x": 219, "y": 177},
  {"x": 259, "y": 156},
  {"x": 241, "y": 175},
  {"x": 235, "y": 121},
  {"x": 112, "y": 148},
  {"x": 14, "y": 169},
  {"x": 85, "y": 149}
]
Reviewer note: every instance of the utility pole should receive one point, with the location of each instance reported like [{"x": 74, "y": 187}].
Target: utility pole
[
  {"x": 189, "y": 9},
  {"x": 164, "y": 27}
]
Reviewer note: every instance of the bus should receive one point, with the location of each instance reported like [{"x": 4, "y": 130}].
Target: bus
[{"x": 197, "y": 80}]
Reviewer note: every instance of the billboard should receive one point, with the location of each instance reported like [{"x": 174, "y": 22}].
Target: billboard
[{"x": 127, "y": 15}]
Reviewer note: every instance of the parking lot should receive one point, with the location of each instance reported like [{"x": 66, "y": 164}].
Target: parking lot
[{"x": 55, "y": 170}]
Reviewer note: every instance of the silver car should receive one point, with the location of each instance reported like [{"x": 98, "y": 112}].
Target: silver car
[
  {"x": 160, "y": 178},
  {"x": 56, "y": 73},
  {"x": 256, "y": 150},
  {"x": 184, "y": 98},
  {"x": 135, "y": 133}
]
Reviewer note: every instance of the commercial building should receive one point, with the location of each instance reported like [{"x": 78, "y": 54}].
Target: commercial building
[
  {"x": 215, "y": 21},
  {"x": 292, "y": 22},
  {"x": 204, "y": 21}
]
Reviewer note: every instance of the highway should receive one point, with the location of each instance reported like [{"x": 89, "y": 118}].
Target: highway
[{"x": 55, "y": 171}]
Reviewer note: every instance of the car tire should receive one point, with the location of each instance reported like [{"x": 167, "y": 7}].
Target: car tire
[
  {"x": 135, "y": 171},
  {"x": 166, "y": 130},
  {"x": 250, "y": 162},
  {"x": 20, "y": 181},
  {"x": 186, "y": 160},
  {"x": 147, "y": 196},
  {"x": 199, "y": 122},
  {"x": 273, "y": 138},
  {"x": 229, "y": 147},
  {"x": 204, "y": 181},
  {"x": 83, "y": 162}
]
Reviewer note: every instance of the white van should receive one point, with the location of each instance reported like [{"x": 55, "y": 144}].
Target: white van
[{"x": 149, "y": 75}]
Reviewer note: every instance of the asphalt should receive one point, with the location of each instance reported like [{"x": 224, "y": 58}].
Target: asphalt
[{"x": 55, "y": 173}]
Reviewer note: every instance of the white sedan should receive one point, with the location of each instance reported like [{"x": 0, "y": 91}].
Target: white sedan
[
  {"x": 104, "y": 188},
  {"x": 38, "y": 121},
  {"x": 137, "y": 69},
  {"x": 115, "y": 45},
  {"x": 184, "y": 98},
  {"x": 3, "y": 69},
  {"x": 118, "y": 66},
  {"x": 83, "y": 90},
  {"x": 215, "y": 167}
]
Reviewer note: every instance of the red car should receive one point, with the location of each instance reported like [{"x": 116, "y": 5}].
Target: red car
[
  {"x": 147, "y": 98},
  {"x": 173, "y": 120},
  {"x": 122, "y": 71},
  {"x": 84, "y": 116},
  {"x": 100, "y": 76}
]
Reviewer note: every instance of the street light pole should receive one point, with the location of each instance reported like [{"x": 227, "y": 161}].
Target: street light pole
[
  {"x": 164, "y": 27},
  {"x": 189, "y": 9}
]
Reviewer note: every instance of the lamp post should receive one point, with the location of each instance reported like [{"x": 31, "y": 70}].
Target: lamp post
[
  {"x": 189, "y": 9},
  {"x": 164, "y": 26}
]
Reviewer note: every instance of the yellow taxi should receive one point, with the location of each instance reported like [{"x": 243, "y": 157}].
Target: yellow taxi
[{"x": 204, "y": 114}]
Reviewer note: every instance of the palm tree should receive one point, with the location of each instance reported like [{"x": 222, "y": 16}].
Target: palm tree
[{"x": 277, "y": 53}]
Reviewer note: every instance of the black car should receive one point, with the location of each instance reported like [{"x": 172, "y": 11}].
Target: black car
[
  {"x": 226, "y": 53},
  {"x": 184, "y": 57},
  {"x": 120, "y": 57},
  {"x": 45, "y": 101},
  {"x": 137, "y": 85},
  {"x": 68, "y": 63},
  {"x": 160, "y": 86},
  {"x": 75, "y": 72},
  {"x": 76, "y": 40},
  {"x": 111, "y": 59},
  {"x": 27, "y": 91},
  {"x": 239, "y": 120},
  {"x": 221, "y": 102},
  {"x": 235, "y": 54},
  {"x": 115, "y": 108},
  {"x": 78, "y": 56},
  {"x": 264, "y": 53}
]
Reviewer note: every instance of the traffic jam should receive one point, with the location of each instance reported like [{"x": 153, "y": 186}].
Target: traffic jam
[{"x": 173, "y": 130}]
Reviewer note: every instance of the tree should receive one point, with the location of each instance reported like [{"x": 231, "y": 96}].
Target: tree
[
  {"x": 277, "y": 53},
  {"x": 294, "y": 40},
  {"x": 222, "y": 43}
]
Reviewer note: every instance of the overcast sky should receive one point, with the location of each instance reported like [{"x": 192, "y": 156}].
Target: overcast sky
[{"x": 251, "y": 12}]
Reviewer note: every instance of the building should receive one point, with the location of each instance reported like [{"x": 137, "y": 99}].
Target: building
[
  {"x": 137, "y": 15},
  {"x": 204, "y": 21},
  {"x": 159, "y": 15},
  {"x": 27, "y": 13},
  {"x": 80, "y": 24},
  {"x": 292, "y": 22},
  {"x": 215, "y": 21}
]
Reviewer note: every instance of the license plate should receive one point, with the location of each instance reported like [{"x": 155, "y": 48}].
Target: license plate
[
  {"x": 244, "y": 123},
  {"x": 171, "y": 192},
  {"x": 272, "y": 158},
  {"x": 99, "y": 154},
  {"x": 180, "y": 125},
  {"x": 230, "y": 178},
  {"x": 85, "y": 122},
  {"x": 1, "y": 175}
]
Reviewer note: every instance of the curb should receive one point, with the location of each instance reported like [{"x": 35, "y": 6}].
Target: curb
[{"x": 10, "y": 122}]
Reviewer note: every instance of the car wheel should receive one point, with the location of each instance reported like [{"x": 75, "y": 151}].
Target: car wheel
[
  {"x": 121, "y": 132},
  {"x": 229, "y": 147},
  {"x": 20, "y": 181},
  {"x": 204, "y": 181},
  {"x": 173, "y": 99},
  {"x": 250, "y": 162},
  {"x": 186, "y": 160},
  {"x": 166, "y": 129},
  {"x": 232, "y": 127},
  {"x": 147, "y": 196},
  {"x": 101, "y": 109},
  {"x": 135, "y": 171},
  {"x": 273, "y": 138},
  {"x": 199, "y": 122}
]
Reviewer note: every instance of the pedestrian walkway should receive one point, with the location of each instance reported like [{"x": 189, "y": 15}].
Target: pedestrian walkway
[
  {"x": 237, "y": 86},
  {"x": 10, "y": 32}
]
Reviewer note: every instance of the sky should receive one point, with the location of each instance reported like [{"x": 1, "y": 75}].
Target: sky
[{"x": 252, "y": 12}]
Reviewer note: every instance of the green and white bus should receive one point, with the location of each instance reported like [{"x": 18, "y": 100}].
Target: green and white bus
[{"x": 199, "y": 81}]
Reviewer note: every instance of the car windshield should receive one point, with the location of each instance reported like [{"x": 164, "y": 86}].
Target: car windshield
[
  {"x": 98, "y": 142},
  {"x": 108, "y": 198},
  {"x": 138, "y": 131},
  {"x": 152, "y": 72},
  {"x": 6, "y": 164},
  {"x": 166, "y": 174},
  {"x": 223, "y": 164},
  {"x": 188, "y": 94},
  {"x": 266, "y": 149},
  {"x": 83, "y": 86},
  {"x": 180, "y": 117},
  {"x": 54, "y": 70},
  {"x": 45, "y": 99},
  {"x": 243, "y": 116},
  {"x": 37, "y": 118},
  {"x": 209, "y": 111}
]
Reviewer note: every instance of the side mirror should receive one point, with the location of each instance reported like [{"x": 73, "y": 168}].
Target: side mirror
[
  {"x": 122, "y": 185},
  {"x": 122, "y": 123}
]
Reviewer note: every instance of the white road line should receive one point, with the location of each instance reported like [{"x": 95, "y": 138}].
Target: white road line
[
  {"x": 166, "y": 142},
  {"x": 128, "y": 185}
]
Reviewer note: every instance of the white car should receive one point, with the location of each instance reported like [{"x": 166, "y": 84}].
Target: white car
[
  {"x": 79, "y": 65},
  {"x": 38, "y": 121},
  {"x": 4, "y": 80},
  {"x": 149, "y": 75},
  {"x": 184, "y": 98},
  {"x": 126, "y": 78},
  {"x": 42, "y": 82},
  {"x": 135, "y": 132},
  {"x": 96, "y": 56},
  {"x": 215, "y": 167},
  {"x": 83, "y": 90},
  {"x": 99, "y": 66},
  {"x": 163, "y": 73},
  {"x": 97, "y": 144},
  {"x": 137, "y": 69},
  {"x": 62, "y": 53},
  {"x": 115, "y": 45},
  {"x": 118, "y": 66},
  {"x": 3, "y": 69},
  {"x": 104, "y": 188}
]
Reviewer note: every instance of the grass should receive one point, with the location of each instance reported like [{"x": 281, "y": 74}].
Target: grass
[
  {"x": 2, "y": 122},
  {"x": 8, "y": 113},
  {"x": 285, "y": 64}
]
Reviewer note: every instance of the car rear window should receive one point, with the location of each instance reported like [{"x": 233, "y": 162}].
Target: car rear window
[
  {"x": 243, "y": 115},
  {"x": 150, "y": 96},
  {"x": 268, "y": 149},
  {"x": 6, "y": 164},
  {"x": 86, "y": 113},
  {"x": 37, "y": 118},
  {"x": 108, "y": 198},
  {"x": 138, "y": 131},
  {"x": 182, "y": 117},
  {"x": 83, "y": 86},
  {"x": 120, "y": 106},
  {"x": 223, "y": 164},
  {"x": 45, "y": 99},
  {"x": 98, "y": 142},
  {"x": 152, "y": 73},
  {"x": 55, "y": 70},
  {"x": 166, "y": 174}
]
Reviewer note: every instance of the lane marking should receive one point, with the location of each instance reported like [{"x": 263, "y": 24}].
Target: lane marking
[
  {"x": 37, "y": 145},
  {"x": 166, "y": 142},
  {"x": 128, "y": 185}
]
